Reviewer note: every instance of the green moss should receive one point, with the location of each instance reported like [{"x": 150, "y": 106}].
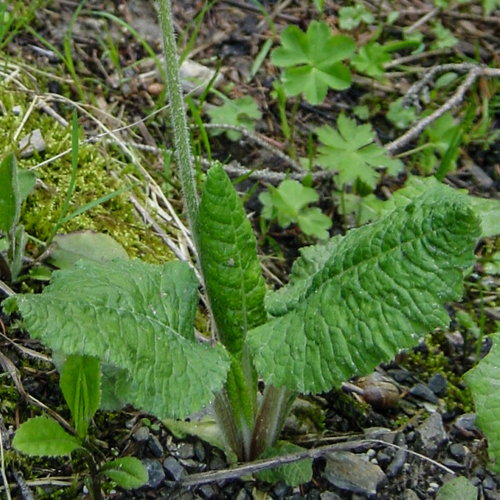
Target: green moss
[{"x": 43, "y": 207}]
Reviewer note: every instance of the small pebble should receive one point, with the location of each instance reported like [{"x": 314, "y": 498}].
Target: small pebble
[
  {"x": 465, "y": 424},
  {"x": 17, "y": 110},
  {"x": 329, "y": 495},
  {"x": 383, "y": 458},
  {"x": 199, "y": 451},
  {"x": 433, "y": 488},
  {"x": 31, "y": 143},
  {"x": 141, "y": 434},
  {"x": 216, "y": 463},
  {"x": 489, "y": 483},
  {"x": 186, "y": 450},
  {"x": 423, "y": 392},
  {"x": 155, "y": 446},
  {"x": 438, "y": 384},
  {"x": 208, "y": 491},
  {"x": 155, "y": 89},
  {"x": 156, "y": 473},
  {"x": 280, "y": 489},
  {"x": 453, "y": 464},
  {"x": 175, "y": 470},
  {"x": 396, "y": 466},
  {"x": 458, "y": 451},
  {"x": 399, "y": 375}
]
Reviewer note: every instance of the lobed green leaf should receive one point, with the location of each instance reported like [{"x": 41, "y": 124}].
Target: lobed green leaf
[{"x": 380, "y": 289}]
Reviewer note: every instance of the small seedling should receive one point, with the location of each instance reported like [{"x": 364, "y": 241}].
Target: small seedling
[
  {"x": 401, "y": 116},
  {"x": 288, "y": 204},
  {"x": 312, "y": 61},
  {"x": 44, "y": 437},
  {"x": 444, "y": 37},
  {"x": 15, "y": 186},
  {"x": 241, "y": 112},
  {"x": 352, "y": 152},
  {"x": 352, "y": 17}
]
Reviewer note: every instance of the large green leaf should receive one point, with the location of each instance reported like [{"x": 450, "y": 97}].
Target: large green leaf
[
  {"x": 10, "y": 197},
  {"x": 487, "y": 209},
  {"x": 44, "y": 437},
  {"x": 137, "y": 317},
  {"x": 484, "y": 382},
  {"x": 229, "y": 260},
  {"x": 382, "y": 287},
  {"x": 81, "y": 385}
]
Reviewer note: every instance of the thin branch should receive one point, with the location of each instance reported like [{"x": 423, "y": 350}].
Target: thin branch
[
  {"x": 474, "y": 71},
  {"x": 422, "y": 20}
]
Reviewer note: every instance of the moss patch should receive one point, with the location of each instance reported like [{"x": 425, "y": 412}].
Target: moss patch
[{"x": 116, "y": 217}]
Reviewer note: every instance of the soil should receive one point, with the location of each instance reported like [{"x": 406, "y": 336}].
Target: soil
[{"x": 417, "y": 439}]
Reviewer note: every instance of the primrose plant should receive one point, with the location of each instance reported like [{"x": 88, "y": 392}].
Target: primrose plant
[{"x": 351, "y": 303}]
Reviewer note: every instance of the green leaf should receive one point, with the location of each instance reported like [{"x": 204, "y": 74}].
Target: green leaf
[
  {"x": 353, "y": 153},
  {"x": 484, "y": 383},
  {"x": 444, "y": 37},
  {"x": 44, "y": 437},
  {"x": 137, "y": 317},
  {"x": 381, "y": 288},
  {"x": 242, "y": 112},
  {"x": 127, "y": 472},
  {"x": 490, "y": 5},
  {"x": 312, "y": 61},
  {"x": 80, "y": 384},
  {"x": 67, "y": 249},
  {"x": 352, "y": 17},
  {"x": 229, "y": 261},
  {"x": 27, "y": 181},
  {"x": 401, "y": 116},
  {"x": 371, "y": 59},
  {"x": 294, "y": 473},
  {"x": 288, "y": 204},
  {"x": 10, "y": 197},
  {"x": 488, "y": 210},
  {"x": 458, "y": 488}
]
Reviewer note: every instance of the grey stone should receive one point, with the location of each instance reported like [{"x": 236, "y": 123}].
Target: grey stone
[
  {"x": 280, "y": 489},
  {"x": 438, "y": 384},
  {"x": 399, "y": 374},
  {"x": 141, "y": 434},
  {"x": 31, "y": 143},
  {"x": 453, "y": 464},
  {"x": 432, "y": 434},
  {"x": 17, "y": 110},
  {"x": 396, "y": 466},
  {"x": 423, "y": 392},
  {"x": 174, "y": 468},
  {"x": 216, "y": 463},
  {"x": 466, "y": 425},
  {"x": 155, "y": 472},
  {"x": 350, "y": 472},
  {"x": 208, "y": 491},
  {"x": 199, "y": 451},
  {"x": 186, "y": 450},
  {"x": 491, "y": 495},
  {"x": 329, "y": 495},
  {"x": 381, "y": 433},
  {"x": 155, "y": 446},
  {"x": 458, "y": 451},
  {"x": 489, "y": 483}
]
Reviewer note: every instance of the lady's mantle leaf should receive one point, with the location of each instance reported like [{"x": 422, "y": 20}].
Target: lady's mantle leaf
[
  {"x": 137, "y": 317},
  {"x": 382, "y": 286},
  {"x": 312, "y": 61},
  {"x": 127, "y": 472},
  {"x": 484, "y": 382},
  {"x": 229, "y": 259},
  {"x": 352, "y": 152},
  {"x": 44, "y": 437}
]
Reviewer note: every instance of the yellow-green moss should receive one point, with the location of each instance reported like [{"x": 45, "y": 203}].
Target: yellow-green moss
[{"x": 43, "y": 207}]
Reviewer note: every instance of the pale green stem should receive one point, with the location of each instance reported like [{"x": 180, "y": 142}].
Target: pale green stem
[{"x": 182, "y": 144}]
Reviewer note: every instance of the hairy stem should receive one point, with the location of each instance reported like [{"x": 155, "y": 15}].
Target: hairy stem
[
  {"x": 274, "y": 408},
  {"x": 183, "y": 152}
]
